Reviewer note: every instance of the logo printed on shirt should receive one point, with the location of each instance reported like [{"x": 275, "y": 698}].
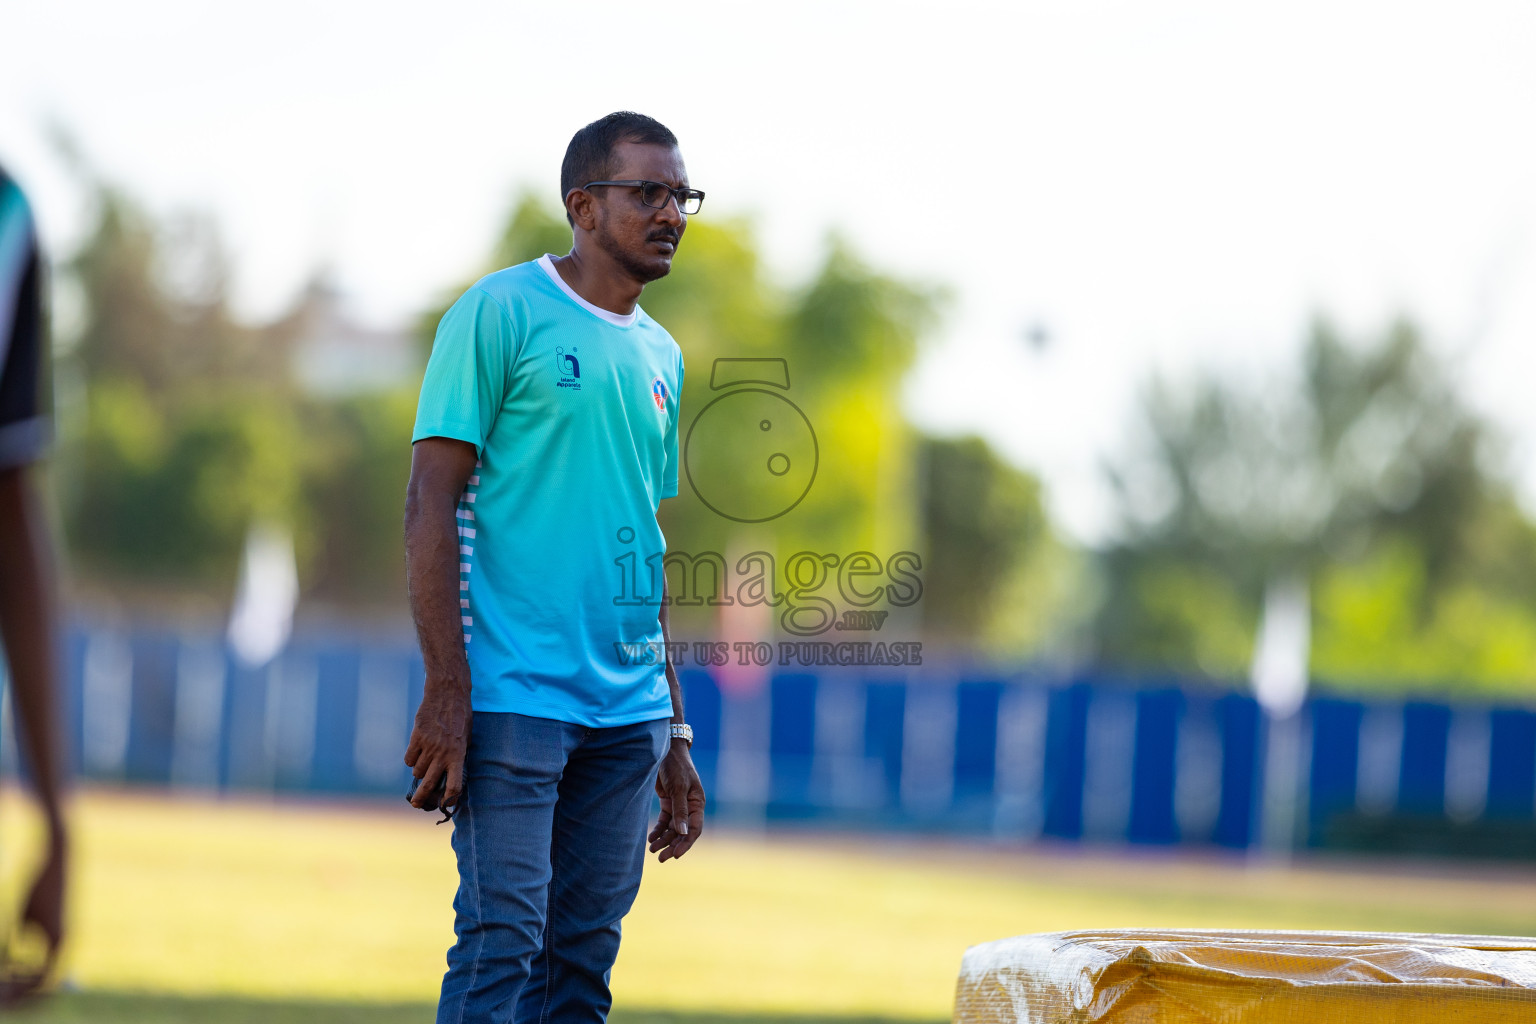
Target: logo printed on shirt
[
  {"x": 569, "y": 367},
  {"x": 659, "y": 393}
]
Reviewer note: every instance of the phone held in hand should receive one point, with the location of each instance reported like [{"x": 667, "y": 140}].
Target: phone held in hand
[{"x": 434, "y": 801}]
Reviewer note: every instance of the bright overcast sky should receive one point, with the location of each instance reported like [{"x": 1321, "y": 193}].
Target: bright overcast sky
[{"x": 1160, "y": 185}]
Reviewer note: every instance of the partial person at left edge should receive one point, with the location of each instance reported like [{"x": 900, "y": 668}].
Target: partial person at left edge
[{"x": 27, "y": 603}]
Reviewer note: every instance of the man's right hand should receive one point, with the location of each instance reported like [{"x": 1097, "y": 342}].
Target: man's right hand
[
  {"x": 440, "y": 469},
  {"x": 439, "y": 741}
]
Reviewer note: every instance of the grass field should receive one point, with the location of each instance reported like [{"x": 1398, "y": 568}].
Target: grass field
[{"x": 194, "y": 910}]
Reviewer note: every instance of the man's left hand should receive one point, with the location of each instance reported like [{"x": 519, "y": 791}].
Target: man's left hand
[{"x": 682, "y": 804}]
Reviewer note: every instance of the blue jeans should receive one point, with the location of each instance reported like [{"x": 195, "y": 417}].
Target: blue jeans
[{"x": 550, "y": 840}]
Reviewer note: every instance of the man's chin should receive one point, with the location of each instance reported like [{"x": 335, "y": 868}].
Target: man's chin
[
  {"x": 644, "y": 266},
  {"x": 651, "y": 268}
]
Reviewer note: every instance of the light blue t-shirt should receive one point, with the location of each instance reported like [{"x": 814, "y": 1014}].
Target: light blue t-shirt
[{"x": 573, "y": 410}]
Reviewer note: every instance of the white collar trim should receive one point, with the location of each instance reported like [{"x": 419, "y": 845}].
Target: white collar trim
[{"x": 617, "y": 319}]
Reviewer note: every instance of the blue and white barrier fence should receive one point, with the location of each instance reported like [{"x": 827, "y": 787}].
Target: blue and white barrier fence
[{"x": 1014, "y": 755}]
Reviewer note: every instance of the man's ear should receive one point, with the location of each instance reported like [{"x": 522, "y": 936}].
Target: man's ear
[{"x": 582, "y": 206}]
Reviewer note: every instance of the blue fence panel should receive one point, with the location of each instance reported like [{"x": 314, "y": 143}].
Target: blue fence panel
[
  {"x": 335, "y": 735},
  {"x": 1066, "y": 737},
  {"x": 152, "y": 709},
  {"x": 1335, "y": 761},
  {"x": 791, "y": 741},
  {"x": 885, "y": 708},
  {"x": 417, "y": 686},
  {"x": 1511, "y": 764},
  {"x": 73, "y": 706},
  {"x": 701, "y": 701},
  {"x": 246, "y": 763},
  {"x": 1153, "y": 817},
  {"x": 975, "y": 764},
  {"x": 1421, "y": 785},
  {"x": 1240, "y": 721}
]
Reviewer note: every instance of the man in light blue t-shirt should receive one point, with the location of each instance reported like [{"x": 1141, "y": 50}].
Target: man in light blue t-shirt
[{"x": 545, "y": 439}]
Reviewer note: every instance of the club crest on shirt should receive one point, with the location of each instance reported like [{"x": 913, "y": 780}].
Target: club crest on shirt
[
  {"x": 659, "y": 393},
  {"x": 569, "y": 367}
]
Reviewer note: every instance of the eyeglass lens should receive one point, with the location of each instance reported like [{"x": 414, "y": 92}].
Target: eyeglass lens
[{"x": 654, "y": 193}]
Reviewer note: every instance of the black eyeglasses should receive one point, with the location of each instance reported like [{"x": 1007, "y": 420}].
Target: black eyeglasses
[{"x": 655, "y": 194}]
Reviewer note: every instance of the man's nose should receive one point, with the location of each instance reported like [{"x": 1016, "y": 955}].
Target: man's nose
[{"x": 672, "y": 213}]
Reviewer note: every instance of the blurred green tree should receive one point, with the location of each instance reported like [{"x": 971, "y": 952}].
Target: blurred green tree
[
  {"x": 997, "y": 578},
  {"x": 1366, "y": 472},
  {"x": 357, "y": 462},
  {"x": 185, "y": 432}
]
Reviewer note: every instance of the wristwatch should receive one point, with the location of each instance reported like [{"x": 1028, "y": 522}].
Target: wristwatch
[{"x": 684, "y": 732}]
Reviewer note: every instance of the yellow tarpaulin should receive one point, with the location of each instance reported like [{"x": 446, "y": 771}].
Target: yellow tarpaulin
[{"x": 1194, "y": 977}]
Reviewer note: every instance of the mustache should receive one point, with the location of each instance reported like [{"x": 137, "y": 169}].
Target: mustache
[{"x": 664, "y": 236}]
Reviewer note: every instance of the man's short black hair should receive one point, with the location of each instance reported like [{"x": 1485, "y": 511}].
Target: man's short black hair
[{"x": 589, "y": 157}]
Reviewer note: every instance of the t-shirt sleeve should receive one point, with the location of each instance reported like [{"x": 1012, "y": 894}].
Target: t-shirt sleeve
[
  {"x": 466, "y": 378},
  {"x": 669, "y": 473},
  {"x": 24, "y": 405}
]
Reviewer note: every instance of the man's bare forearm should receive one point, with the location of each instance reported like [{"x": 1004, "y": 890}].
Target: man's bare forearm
[
  {"x": 27, "y": 629},
  {"x": 432, "y": 580},
  {"x": 440, "y": 468},
  {"x": 666, "y": 639}
]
